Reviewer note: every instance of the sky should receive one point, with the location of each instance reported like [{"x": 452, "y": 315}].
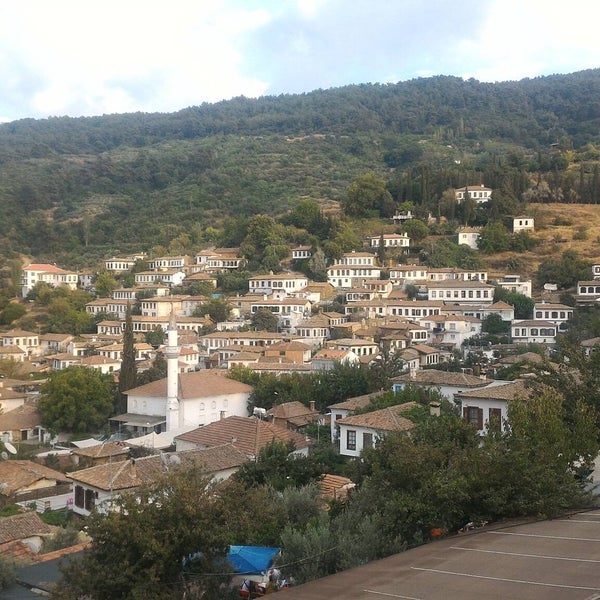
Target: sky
[{"x": 93, "y": 57}]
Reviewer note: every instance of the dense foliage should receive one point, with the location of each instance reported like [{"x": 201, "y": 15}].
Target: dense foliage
[{"x": 79, "y": 189}]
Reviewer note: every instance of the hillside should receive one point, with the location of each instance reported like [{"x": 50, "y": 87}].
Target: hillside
[
  {"x": 78, "y": 189},
  {"x": 579, "y": 230}
]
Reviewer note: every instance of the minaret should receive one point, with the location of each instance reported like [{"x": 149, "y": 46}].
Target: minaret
[{"x": 172, "y": 354}]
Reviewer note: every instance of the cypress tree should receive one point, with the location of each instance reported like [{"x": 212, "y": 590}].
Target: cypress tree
[{"x": 128, "y": 374}]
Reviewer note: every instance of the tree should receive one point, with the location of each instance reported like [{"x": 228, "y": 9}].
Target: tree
[
  {"x": 494, "y": 237},
  {"x": 278, "y": 467},
  {"x": 157, "y": 371},
  {"x": 367, "y": 196},
  {"x": 11, "y": 313},
  {"x": 265, "y": 320},
  {"x": 156, "y": 337},
  {"x": 416, "y": 229},
  {"x": 76, "y": 399},
  {"x": 139, "y": 547},
  {"x": 522, "y": 304},
  {"x": 218, "y": 309},
  {"x": 105, "y": 283},
  {"x": 564, "y": 271},
  {"x": 128, "y": 372}
]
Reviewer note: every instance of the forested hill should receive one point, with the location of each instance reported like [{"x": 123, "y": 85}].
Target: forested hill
[
  {"x": 106, "y": 183},
  {"x": 531, "y": 112}
]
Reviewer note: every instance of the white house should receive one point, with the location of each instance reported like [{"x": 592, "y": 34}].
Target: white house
[
  {"x": 49, "y": 274},
  {"x": 460, "y": 291},
  {"x": 489, "y": 405},
  {"x": 534, "y": 331},
  {"x": 523, "y": 223},
  {"x": 469, "y": 236},
  {"x": 203, "y": 397},
  {"x": 556, "y": 313},
  {"x": 588, "y": 292},
  {"x": 280, "y": 283},
  {"x": 301, "y": 252},
  {"x": 448, "y": 383},
  {"x": 450, "y": 330},
  {"x": 358, "y": 432},
  {"x": 478, "y": 193},
  {"x": 95, "y": 487},
  {"x": 341, "y": 410},
  {"x": 408, "y": 273},
  {"x": 390, "y": 240},
  {"x": 515, "y": 284}
]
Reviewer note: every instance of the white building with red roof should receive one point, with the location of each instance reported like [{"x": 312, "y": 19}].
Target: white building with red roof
[{"x": 45, "y": 273}]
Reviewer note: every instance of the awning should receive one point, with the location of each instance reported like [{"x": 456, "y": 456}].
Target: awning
[{"x": 251, "y": 559}]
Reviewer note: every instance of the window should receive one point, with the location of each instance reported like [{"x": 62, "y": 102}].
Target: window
[
  {"x": 474, "y": 416},
  {"x": 367, "y": 440},
  {"x": 79, "y": 496},
  {"x": 495, "y": 417},
  {"x": 351, "y": 439}
]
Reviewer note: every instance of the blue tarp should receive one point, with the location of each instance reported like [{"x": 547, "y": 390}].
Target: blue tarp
[{"x": 251, "y": 559}]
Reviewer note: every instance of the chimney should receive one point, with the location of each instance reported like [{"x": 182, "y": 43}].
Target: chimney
[
  {"x": 311, "y": 405},
  {"x": 132, "y": 469},
  {"x": 434, "y": 409}
]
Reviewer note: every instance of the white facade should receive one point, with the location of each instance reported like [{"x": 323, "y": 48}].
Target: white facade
[
  {"x": 534, "y": 332},
  {"x": 390, "y": 240},
  {"x": 469, "y": 236},
  {"x": 523, "y": 223},
  {"x": 478, "y": 193},
  {"x": 49, "y": 274},
  {"x": 515, "y": 284}
]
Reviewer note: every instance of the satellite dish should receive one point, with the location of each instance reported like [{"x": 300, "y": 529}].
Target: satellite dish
[
  {"x": 10, "y": 447},
  {"x": 4, "y": 455},
  {"x": 175, "y": 459}
]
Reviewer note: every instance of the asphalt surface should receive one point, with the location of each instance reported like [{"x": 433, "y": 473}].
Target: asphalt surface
[{"x": 549, "y": 560}]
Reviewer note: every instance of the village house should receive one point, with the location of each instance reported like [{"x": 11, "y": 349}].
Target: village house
[
  {"x": 25, "y": 480},
  {"x": 280, "y": 284},
  {"x": 352, "y": 269},
  {"x": 556, "y": 313},
  {"x": 122, "y": 264},
  {"x": 129, "y": 294},
  {"x": 161, "y": 306},
  {"x": 489, "y": 405},
  {"x": 216, "y": 340},
  {"x": 248, "y": 434},
  {"x": 401, "y": 216},
  {"x": 219, "y": 260},
  {"x": 450, "y": 330},
  {"x": 365, "y": 309},
  {"x": 49, "y": 274},
  {"x": 505, "y": 311},
  {"x": 588, "y": 292},
  {"x": 469, "y": 236},
  {"x": 301, "y": 252},
  {"x": 413, "y": 309},
  {"x": 21, "y": 423},
  {"x": 390, "y": 241},
  {"x": 168, "y": 277},
  {"x": 358, "y": 432},
  {"x": 51, "y": 343},
  {"x": 523, "y": 223},
  {"x": 27, "y": 341},
  {"x": 341, "y": 410},
  {"x": 360, "y": 347},
  {"x": 163, "y": 263},
  {"x": 451, "y": 273},
  {"x": 534, "y": 331},
  {"x": 98, "y": 453},
  {"x": 289, "y": 311},
  {"x": 293, "y": 415},
  {"x": 460, "y": 291},
  {"x": 408, "y": 273},
  {"x": 103, "y": 364},
  {"x": 95, "y": 487},
  {"x": 447, "y": 383},
  {"x": 326, "y": 359},
  {"x": 295, "y": 352},
  {"x": 515, "y": 284},
  {"x": 477, "y": 193}
]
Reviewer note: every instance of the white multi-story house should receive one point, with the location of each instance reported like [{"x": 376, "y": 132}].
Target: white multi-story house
[
  {"x": 220, "y": 259},
  {"x": 558, "y": 314},
  {"x": 27, "y": 341},
  {"x": 348, "y": 275},
  {"x": 301, "y": 252},
  {"x": 469, "y": 236},
  {"x": 515, "y": 284},
  {"x": 289, "y": 311},
  {"x": 178, "y": 263},
  {"x": 448, "y": 383},
  {"x": 121, "y": 264},
  {"x": 532, "y": 331},
  {"x": 168, "y": 277},
  {"x": 460, "y": 291},
  {"x": 390, "y": 240},
  {"x": 478, "y": 193},
  {"x": 450, "y": 330},
  {"x": 588, "y": 292},
  {"x": 49, "y": 274},
  {"x": 358, "y": 346},
  {"x": 523, "y": 223},
  {"x": 450, "y": 273},
  {"x": 596, "y": 271},
  {"x": 161, "y": 306},
  {"x": 281, "y": 284},
  {"x": 408, "y": 273},
  {"x": 413, "y": 309}
]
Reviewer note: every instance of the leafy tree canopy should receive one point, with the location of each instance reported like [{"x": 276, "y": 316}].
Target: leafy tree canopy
[{"x": 76, "y": 399}]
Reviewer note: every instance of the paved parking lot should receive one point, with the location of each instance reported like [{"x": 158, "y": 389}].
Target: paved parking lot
[{"x": 557, "y": 560}]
